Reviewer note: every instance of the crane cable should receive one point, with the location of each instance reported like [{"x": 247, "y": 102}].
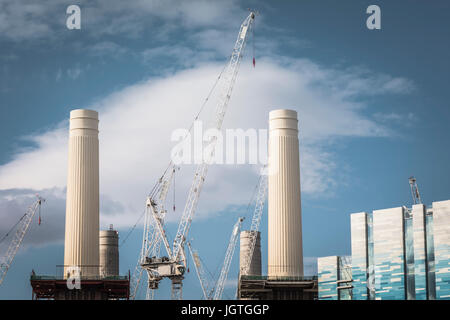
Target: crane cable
[
  {"x": 132, "y": 229},
  {"x": 13, "y": 227},
  {"x": 253, "y": 43},
  {"x": 174, "y": 190},
  {"x": 157, "y": 187}
]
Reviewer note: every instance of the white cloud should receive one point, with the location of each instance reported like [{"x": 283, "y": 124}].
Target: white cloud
[{"x": 136, "y": 124}]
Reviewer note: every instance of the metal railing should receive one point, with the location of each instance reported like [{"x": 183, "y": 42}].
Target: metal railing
[
  {"x": 86, "y": 272},
  {"x": 273, "y": 278}
]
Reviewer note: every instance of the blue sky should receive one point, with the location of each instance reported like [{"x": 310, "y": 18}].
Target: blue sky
[{"x": 373, "y": 110}]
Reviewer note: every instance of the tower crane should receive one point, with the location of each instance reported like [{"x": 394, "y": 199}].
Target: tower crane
[
  {"x": 256, "y": 221},
  {"x": 22, "y": 228},
  {"x": 207, "y": 287},
  {"x": 415, "y": 190},
  {"x": 214, "y": 292},
  {"x": 151, "y": 240},
  {"x": 173, "y": 265},
  {"x": 227, "y": 262}
]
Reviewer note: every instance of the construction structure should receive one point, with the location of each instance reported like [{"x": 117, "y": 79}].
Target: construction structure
[
  {"x": 172, "y": 264},
  {"x": 85, "y": 274},
  {"x": 285, "y": 279}
]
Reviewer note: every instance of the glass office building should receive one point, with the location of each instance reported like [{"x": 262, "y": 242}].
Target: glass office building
[
  {"x": 441, "y": 234},
  {"x": 397, "y": 254},
  {"x": 334, "y": 277}
]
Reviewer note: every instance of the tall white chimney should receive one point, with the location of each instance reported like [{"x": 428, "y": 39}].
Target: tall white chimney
[
  {"x": 285, "y": 256},
  {"x": 82, "y": 205}
]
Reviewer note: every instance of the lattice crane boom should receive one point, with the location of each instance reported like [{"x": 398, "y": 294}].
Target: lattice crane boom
[
  {"x": 22, "y": 228},
  {"x": 227, "y": 262}
]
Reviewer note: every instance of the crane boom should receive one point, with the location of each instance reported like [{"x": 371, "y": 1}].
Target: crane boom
[
  {"x": 22, "y": 228},
  {"x": 227, "y": 262},
  {"x": 229, "y": 79},
  {"x": 256, "y": 221}
]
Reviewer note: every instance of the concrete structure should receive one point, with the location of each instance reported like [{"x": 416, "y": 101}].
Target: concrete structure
[
  {"x": 267, "y": 288},
  {"x": 255, "y": 264},
  {"x": 51, "y": 287},
  {"x": 285, "y": 254},
  {"x": 82, "y": 205},
  {"x": 109, "y": 252},
  {"x": 397, "y": 254}
]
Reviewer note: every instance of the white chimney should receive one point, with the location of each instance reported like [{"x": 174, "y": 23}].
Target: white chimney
[
  {"x": 82, "y": 205},
  {"x": 285, "y": 256}
]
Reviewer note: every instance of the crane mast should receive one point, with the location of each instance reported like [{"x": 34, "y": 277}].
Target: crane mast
[
  {"x": 151, "y": 240},
  {"x": 201, "y": 274},
  {"x": 227, "y": 262},
  {"x": 174, "y": 265},
  {"x": 256, "y": 221},
  {"x": 215, "y": 291},
  {"x": 22, "y": 228},
  {"x": 415, "y": 191}
]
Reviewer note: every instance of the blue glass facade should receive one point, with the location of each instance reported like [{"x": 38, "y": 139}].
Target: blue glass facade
[
  {"x": 334, "y": 274},
  {"x": 397, "y": 254},
  {"x": 389, "y": 260},
  {"x": 431, "y": 277},
  {"x": 360, "y": 262},
  {"x": 327, "y": 269},
  {"x": 420, "y": 267},
  {"x": 441, "y": 234}
]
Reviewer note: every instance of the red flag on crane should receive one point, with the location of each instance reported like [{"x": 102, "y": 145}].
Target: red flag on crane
[{"x": 254, "y": 62}]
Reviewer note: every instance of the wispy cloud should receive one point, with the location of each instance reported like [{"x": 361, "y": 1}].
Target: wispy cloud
[
  {"x": 22, "y": 20},
  {"x": 407, "y": 119},
  {"x": 106, "y": 49}
]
